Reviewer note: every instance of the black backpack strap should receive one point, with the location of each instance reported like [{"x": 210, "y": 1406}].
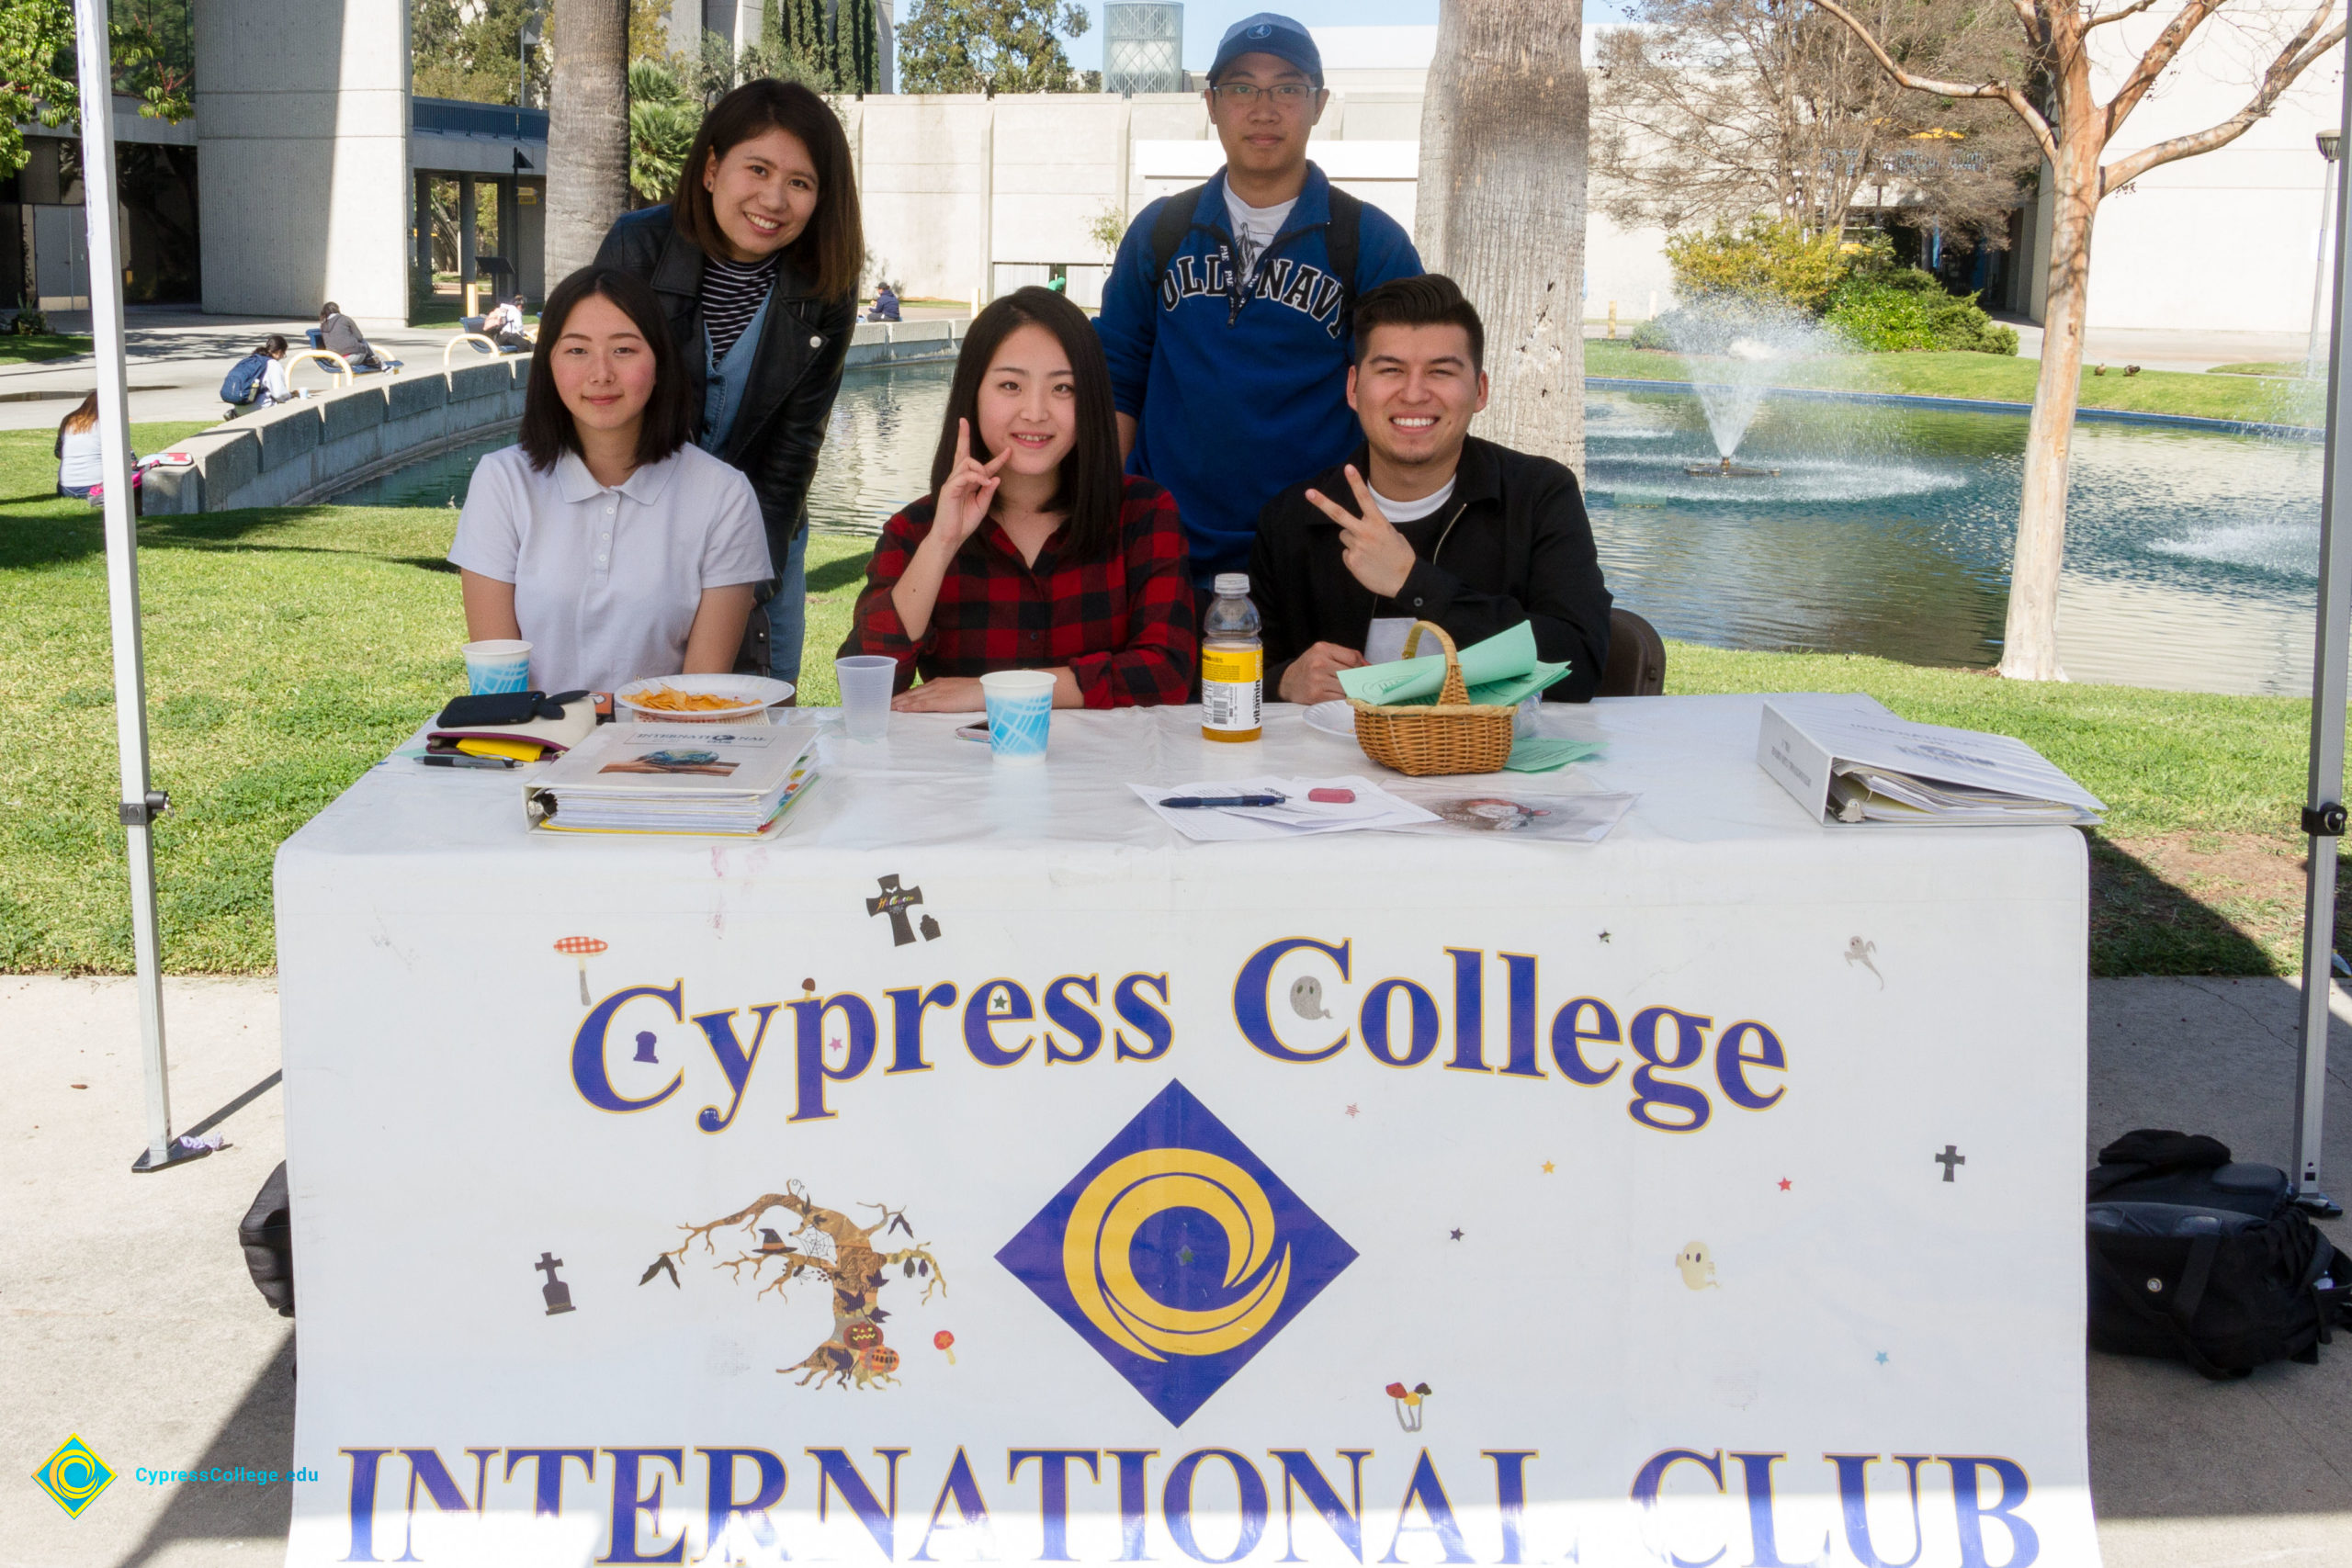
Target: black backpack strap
[
  {"x": 2174, "y": 1322},
  {"x": 1169, "y": 228},
  {"x": 1343, "y": 242}
]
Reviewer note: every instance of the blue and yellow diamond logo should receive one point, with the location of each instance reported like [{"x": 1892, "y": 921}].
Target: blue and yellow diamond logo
[
  {"x": 74, "y": 1476},
  {"x": 1177, "y": 1254}
]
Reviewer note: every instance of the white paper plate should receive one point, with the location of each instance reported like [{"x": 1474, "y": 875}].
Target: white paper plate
[
  {"x": 1334, "y": 717},
  {"x": 753, "y": 693}
]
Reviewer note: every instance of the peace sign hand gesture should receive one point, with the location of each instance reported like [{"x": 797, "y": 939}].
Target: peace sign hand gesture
[
  {"x": 964, "y": 500},
  {"x": 1371, "y": 549}
]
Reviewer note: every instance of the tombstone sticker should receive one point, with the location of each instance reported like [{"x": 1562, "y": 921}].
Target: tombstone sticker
[
  {"x": 558, "y": 1294},
  {"x": 895, "y": 900}
]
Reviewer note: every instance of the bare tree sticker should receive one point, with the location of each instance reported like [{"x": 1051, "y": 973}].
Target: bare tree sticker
[{"x": 828, "y": 1249}]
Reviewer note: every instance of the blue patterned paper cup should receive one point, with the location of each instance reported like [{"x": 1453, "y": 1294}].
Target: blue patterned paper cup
[
  {"x": 1020, "y": 712},
  {"x": 503, "y": 664}
]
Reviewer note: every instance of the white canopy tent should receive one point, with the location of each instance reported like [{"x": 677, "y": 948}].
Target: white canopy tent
[{"x": 140, "y": 803}]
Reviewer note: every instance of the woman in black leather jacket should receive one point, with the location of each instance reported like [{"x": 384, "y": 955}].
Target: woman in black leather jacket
[{"x": 756, "y": 264}]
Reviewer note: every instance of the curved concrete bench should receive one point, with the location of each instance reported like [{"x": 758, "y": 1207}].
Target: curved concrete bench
[{"x": 297, "y": 453}]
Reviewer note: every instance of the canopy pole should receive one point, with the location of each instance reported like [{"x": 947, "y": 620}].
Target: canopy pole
[
  {"x": 139, "y": 805},
  {"x": 2324, "y": 816}
]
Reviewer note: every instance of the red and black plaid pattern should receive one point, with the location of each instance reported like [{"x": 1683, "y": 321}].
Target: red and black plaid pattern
[{"x": 1123, "y": 624}]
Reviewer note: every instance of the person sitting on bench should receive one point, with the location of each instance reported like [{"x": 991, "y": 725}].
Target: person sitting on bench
[
  {"x": 504, "y": 326},
  {"x": 338, "y": 334}
]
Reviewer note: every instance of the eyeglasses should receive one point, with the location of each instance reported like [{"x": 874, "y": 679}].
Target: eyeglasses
[{"x": 1242, "y": 95}]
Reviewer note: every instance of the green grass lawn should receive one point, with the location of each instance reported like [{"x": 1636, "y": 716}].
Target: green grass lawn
[
  {"x": 287, "y": 650},
  {"x": 1995, "y": 378},
  {"x": 2258, "y": 367},
  {"x": 15, "y": 349}
]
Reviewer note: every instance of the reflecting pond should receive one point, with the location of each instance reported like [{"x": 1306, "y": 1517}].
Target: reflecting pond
[{"x": 2191, "y": 555}]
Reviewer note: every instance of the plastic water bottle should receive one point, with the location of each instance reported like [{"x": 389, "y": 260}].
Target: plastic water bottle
[{"x": 1233, "y": 663}]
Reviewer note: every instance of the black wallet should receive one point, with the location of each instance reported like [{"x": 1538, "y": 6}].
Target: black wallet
[{"x": 504, "y": 708}]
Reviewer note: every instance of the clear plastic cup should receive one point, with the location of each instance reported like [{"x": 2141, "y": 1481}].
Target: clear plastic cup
[
  {"x": 1020, "y": 712},
  {"x": 865, "y": 682},
  {"x": 501, "y": 664}
]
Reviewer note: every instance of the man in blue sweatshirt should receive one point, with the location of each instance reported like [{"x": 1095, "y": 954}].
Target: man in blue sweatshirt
[{"x": 1225, "y": 318}]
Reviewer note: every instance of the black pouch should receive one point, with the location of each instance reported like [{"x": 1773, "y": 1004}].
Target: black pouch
[
  {"x": 266, "y": 1233},
  {"x": 495, "y": 708}
]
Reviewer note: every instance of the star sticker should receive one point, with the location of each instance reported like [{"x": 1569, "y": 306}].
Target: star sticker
[
  {"x": 1882, "y": 1357},
  {"x": 1185, "y": 1256},
  {"x": 1456, "y": 1236},
  {"x": 1784, "y": 1184},
  {"x": 1352, "y": 1111},
  {"x": 1547, "y": 1168},
  {"x": 1604, "y": 936},
  {"x": 832, "y": 1045}
]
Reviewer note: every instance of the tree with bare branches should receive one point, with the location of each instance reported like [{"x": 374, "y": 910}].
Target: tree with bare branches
[
  {"x": 1502, "y": 208},
  {"x": 1712, "y": 111},
  {"x": 835, "y": 1252},
  {"x": 2054, "y": 95}
]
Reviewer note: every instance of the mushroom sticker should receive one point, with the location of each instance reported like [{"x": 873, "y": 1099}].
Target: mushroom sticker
[
  {"x": 946, "y": 1343},
  {"x": 582, "y": 947},
  {"x": 1409, "y": 1403}
]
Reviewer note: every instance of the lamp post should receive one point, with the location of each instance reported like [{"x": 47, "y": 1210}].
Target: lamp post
[
  {"x": 2331, "y": 147},
  {"x": 525, "y": 41}
]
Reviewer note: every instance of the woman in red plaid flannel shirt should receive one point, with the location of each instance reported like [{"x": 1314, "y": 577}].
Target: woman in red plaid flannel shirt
[{"x": 1033, "y": 550}]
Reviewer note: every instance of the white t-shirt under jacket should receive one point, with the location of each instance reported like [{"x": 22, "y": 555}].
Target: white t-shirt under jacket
[{"x": 607, "y": 581}]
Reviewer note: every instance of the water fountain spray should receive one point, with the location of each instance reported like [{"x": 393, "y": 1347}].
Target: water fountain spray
[{"x": 1736, "y": 346}]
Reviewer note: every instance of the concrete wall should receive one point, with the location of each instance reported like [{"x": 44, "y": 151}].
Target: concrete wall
[
  {"x": 963, "y": 193},
  {"x": 2228, "y": 240},
  {"x": 302, "y": 138},
  {"x": 286, "y": 456}
]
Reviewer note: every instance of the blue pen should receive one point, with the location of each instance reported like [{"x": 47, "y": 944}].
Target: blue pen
[{"x": 1192, "y": 802}]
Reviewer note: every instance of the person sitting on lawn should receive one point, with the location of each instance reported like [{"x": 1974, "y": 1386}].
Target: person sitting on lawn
[
  {"x": 1425, "y": 522},
  {"x": 81, "y": 463},
  {"x": 1032, "y": 552},
  {"x": 605, "y": 536}
]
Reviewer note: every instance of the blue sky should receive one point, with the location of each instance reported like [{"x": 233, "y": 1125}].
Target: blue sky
[{"x": 1206, "y": 21}]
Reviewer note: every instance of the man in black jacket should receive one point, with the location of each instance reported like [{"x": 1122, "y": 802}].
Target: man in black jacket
[{"x": 1427, "y": 523}]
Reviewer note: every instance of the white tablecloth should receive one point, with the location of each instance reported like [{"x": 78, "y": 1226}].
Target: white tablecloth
[{"x": 1869, "y": 1244}]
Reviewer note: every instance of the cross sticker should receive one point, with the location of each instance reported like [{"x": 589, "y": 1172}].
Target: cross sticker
[
  {"x": 1951, "y": 1157},
  {"x": 547, "y": 1264},
  {"x": 894, "y": 902}
]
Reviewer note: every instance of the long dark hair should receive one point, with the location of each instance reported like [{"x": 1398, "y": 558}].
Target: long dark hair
[
  {"x": 548, "y": 430},
  {"x": 84, "y": 416},
  {"x": 832, "y": 248},
  {"x": 1092, "y": 483}
]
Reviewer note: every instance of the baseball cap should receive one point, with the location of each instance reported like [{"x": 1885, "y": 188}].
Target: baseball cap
[{"x": 1269, "y": 32}]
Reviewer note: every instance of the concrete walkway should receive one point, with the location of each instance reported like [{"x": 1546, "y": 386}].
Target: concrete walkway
[
  {"x": 2168, "y": 349},
  {"x": 125, "y": 1315},
  {"x": 177, "y": 359}
]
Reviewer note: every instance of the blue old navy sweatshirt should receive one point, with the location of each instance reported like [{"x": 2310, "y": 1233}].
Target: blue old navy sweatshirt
[{"x": 1239, "y": 395}]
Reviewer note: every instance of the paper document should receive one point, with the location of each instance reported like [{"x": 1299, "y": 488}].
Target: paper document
[
  {"x": 1847, "y": 759},
  {"x": 1297, "y": 816},
  {"x": 1583, "y": 818}
]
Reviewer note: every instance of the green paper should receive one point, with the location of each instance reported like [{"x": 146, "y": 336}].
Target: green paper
[
  {"x": 1538, "y": 754},
  {"x": 1506, "y": 656},
  {"x": 1517, "y": 690}
]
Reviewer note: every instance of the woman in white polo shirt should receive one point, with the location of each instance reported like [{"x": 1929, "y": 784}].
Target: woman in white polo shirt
[{"x": 605, "y": 536}]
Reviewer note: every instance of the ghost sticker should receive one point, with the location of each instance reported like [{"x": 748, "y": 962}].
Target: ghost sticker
[
  {"x": 1306, "y": 998},
  {"x": 1698, "y": 1267}
]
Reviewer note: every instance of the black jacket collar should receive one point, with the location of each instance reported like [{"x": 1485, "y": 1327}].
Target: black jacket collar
[{"x": 1477, "y": 476}]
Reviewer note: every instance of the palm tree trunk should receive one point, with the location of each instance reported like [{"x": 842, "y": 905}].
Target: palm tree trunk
[
  {"x": 1502, "y": 196},
  {"x": 2030, "y": 640},
  {"x": 587, "y": 132}
]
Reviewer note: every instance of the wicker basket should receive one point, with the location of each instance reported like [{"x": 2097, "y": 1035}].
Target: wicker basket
[{"x": 1451, "y": 735}]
